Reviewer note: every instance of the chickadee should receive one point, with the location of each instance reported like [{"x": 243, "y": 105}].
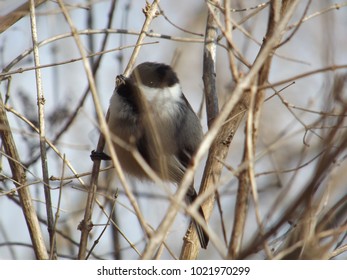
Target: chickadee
[{"x": 149, "y": 110}]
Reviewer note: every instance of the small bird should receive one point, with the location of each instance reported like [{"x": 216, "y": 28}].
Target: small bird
[{"x": 149, "y": 110}]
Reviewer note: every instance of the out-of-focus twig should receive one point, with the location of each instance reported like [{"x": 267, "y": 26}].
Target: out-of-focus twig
[{"x": 12, "y": 17}]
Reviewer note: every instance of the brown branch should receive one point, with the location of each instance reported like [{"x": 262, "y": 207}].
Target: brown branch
[
  {"x": 190, "y": 248},
  {"x": 220, "y": 146},
  {"x": 12, "y": 17},
  {"x": 18, "y": 174},
  {"x": 246, "y": 176}
]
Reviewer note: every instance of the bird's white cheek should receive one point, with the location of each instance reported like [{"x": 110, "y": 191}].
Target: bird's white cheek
[
  {"x": 162, "y": 95},
  {"x": 163, "y": 101}
]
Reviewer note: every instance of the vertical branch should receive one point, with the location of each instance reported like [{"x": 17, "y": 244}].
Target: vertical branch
[
  {"x": 190, "y": 247},
  {"x": 246, "y": 179},
  {"x": 209, "y": 64},
  {"x": 57, "y": 213},
  {"x": 276, "y": 10},
  {"x": 228, "y": 35},
  {"x": 18, "y": 174},
  {"x": 220, "y": 145},
  {"x": 41, "y": 114},
  {"x": 90, "y": 24}
]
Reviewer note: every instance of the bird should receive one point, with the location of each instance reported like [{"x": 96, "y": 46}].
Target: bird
[{"x": 149, "y": 110}]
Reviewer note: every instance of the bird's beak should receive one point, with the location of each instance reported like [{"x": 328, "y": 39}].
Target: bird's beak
[{"x": 120, "y": 80}]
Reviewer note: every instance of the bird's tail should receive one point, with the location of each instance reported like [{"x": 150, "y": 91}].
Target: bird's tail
[{"x": 202, "y": 234}]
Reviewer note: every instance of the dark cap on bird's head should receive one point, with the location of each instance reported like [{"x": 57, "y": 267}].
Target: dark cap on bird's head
[{"x": 154, "y": 75}]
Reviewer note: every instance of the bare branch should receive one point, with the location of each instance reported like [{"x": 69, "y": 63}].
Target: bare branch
[
  {"x": 18, "y": 174},
  {"x": 42, "y": 133}
]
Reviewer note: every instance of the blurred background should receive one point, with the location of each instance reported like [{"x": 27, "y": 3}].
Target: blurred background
[{"x": 294, "y": 127}]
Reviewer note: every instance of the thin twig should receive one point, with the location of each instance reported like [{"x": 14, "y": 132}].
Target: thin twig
[
  {"x": 100, "y": 53},
  {"x": 175, "y": 25},
  {"x": 150, "y": 34},
  {"x": 57, "y": 213},
  {"x": 42, "y": 133},
  {"x": 335, "y": 6},
  {"x": 103, "y": 230},
  {"x": 331, "y": 68}
]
